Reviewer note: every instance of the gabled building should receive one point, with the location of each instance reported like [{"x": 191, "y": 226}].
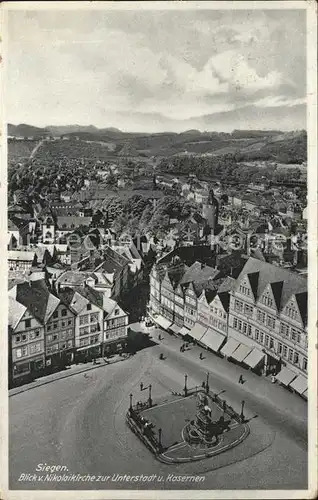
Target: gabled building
[
  {"x": 26, "y": 343},
  {"x": 57, "y": 320},
  {"x": 88, "y": 320},
  {"x": 268, "y": 312}
]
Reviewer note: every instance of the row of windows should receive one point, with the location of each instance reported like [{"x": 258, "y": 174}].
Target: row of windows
[
  {"x": 119, "y": 332},
  {"x": 59, "y": 324},
  {"x": 28, "y": 349},
  {"x": 59, "y": 347},
  {"x": 266, "y": 319},
  {"x": 88, "y": 318},
  {"x": 86, "y": 330},
  {"x": 61, "y": 335},
  {"x": 289, "y": 310},
  {"x": 116, "y": 322},
  {"x": 89, "y": 341},
  {"x": 63, "y": 313},
  {"x": 218, "y": 324},
  {"x": 27, "y": 336},
  {"x": 243, "y": 327}
]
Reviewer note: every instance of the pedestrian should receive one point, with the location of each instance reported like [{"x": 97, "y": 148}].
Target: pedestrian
[
  {"x": 201, "y": 355},
  {"x": 240, "y": 380}
]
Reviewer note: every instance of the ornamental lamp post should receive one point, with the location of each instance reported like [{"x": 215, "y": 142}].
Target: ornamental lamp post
[
  {"x": 185, "y": 385},
  {"x": 149, "y": 398}
]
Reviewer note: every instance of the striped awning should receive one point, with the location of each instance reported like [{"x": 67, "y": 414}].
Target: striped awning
[
  {"x": 254, "y": 358},
  {"x": 299, "y": 384},
  {"x": 212, "y": 339},
  {"x": 197, "y": 331},
  {"x": 286, "y": 376},
  {"x": 241, "y": 352},
  {"x": 184, "y": 331},
  {"x": 163, "y": 322},
  {"x": 230, "y": 347},
  {"x": 175, "y": 328}
]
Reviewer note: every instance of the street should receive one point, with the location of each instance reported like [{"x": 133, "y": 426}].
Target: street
[{"x": 79, "y": 422}]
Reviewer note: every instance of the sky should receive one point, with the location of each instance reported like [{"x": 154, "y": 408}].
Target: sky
[{"x": 155, "y": 71}]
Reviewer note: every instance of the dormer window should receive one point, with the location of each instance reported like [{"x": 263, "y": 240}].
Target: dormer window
[{"x": 89, "y": 307}]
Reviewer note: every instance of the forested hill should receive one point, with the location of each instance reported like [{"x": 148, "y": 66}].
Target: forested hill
[{"x": 245, "y": 145}]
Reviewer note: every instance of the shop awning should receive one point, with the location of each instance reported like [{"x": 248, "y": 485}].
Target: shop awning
[
  {"x": 229, "y": 347},
  {"x": 197, "y": 331},
  {"x": 241, "y": 352},
  {"x": 254, "y": 358},
  {"x": 212, "y": 339},
  {"x": 299, "y": 384},
  {"x": 184, "y": 331},
  {"x": 175, "y": 328},
  {"x": 88, "y": 347},
  {"x": 163, "y": 322},
  {"x": 285, "y": 376}
]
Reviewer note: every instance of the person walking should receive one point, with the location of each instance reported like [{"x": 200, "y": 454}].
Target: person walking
[{"x": 240, "y": 380}]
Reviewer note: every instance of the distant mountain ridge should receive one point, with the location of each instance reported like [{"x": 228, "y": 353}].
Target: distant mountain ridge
[{"x": 245, "y": 144}]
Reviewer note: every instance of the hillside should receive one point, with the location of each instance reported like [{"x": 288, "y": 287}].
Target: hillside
[
  {"x": 24, "y": 130},
  {"x": 284, "y": 147}
]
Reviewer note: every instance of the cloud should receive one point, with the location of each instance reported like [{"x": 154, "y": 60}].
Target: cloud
[
  {"x": 100, "y": 67},
  {"x": 279, "y": 101}
]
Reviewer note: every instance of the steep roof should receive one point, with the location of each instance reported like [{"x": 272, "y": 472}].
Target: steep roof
[
  {"x": 16, "y": 311},
  {"x": 37, "y": 298},
  {"x": 73, "y": 300},
  {"x": 284, "y": 283}
]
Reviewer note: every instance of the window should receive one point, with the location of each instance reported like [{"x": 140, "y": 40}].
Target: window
[
  {"x": 24, "y": 337},
  {"x": 49, "y": 338},
  {"x": 267, "y": 301},
  {"x": 284, "y": 329},
  {"x": 35, "y": 348},
  {"x": 55, "y": 314},
  {"x": 55, "y": 325},
  {"x": 23, "y": 351},
  {"x": 261, "y": 316},
  {"x": 64, "y": 312},
  {"x": 305, "y": 363},
  {"x": 234, "y": 322},
  {"x": 238, "y": 305},
  {"x": 290, "y": 354},
  {"x": 279, "y": 348},
  {"x": 267, "y": 340},
  {"x": 55, "y": 336},
  {"x": 94, "y": 317},
  {"x": 244, "y": 290},
  {"x": 295, "y": 335},
  {"x": 116, "y": 312},
  {"x": 37, "y": 333},
  {"x": 248, "y": 309},
  {"x": 84, "y": 320},
  {"x": 270, "y": 321},
  {"x": 27, "y": 323},
  {"x": 63, "y": 324},
  {"x": 261, "y": 337},
  {"x": 271, "y": 343},
  {"x": 84, "y": 331},
  {"x": 70, "y": 343},
  {"x": 284, "y": 351},
  {"x": 244, "y": 328},
  {"x": 249, "y": 330},
  {"x": 69, "y": 321},
  {"x": 89, "y": 307},
  {"x": 296, "y": 358},
  {"x": 257, "y": 335},
  {"x": 17, "y": 339},
  {"x": 49, "y": 328}
]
